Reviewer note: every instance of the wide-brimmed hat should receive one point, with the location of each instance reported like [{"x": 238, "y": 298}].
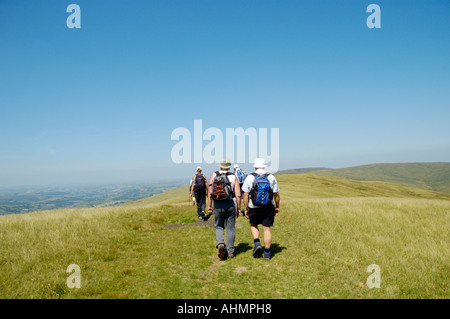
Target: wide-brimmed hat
[
  {"x": 260, "y": 163},
  {"x": 225, "y": 163}
]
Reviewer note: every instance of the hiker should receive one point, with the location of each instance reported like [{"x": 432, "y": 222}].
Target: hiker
[
  {"x": 226, "y": 194},
  {"x": 191, "y": 183},
  {"x": 199, "y": 191},
  {"x": 240, "y": 174},
  {"x": 261, "y": 205}
]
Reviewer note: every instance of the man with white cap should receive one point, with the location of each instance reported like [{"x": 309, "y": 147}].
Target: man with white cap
[
  {"x": 199, "y": 190},
  {"x": 261, "y": 205},
  {"x": 224, "y": 190}
]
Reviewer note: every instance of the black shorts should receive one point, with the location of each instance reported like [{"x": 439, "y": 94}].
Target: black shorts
[{"x": 264, "y": 215}]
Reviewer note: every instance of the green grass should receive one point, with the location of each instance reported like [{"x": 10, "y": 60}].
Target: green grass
[
  {"x": 430, "y": 176},
  {"x": 329, "y": 230}
]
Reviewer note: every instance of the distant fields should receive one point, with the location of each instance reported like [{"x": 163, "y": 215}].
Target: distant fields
[
  {"x": 24, "y": 200},
  {"x": 329, "y": 230}
]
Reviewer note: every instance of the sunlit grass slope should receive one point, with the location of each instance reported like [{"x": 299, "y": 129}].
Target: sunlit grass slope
[
  {"x": 431, "y": 176},
  {"x": 329, "y": 231}
]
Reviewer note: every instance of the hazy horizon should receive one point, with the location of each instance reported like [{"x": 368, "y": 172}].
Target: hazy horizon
[{"x": 184, "y": 180}]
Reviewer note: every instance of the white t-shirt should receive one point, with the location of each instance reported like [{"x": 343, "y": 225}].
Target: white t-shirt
[{"x": 247, "y": 186}]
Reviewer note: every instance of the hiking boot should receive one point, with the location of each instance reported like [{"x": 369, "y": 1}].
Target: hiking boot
[
  {"x": 222, "y": 251},
  {"x": 230, "y": 256},
  {"x": 267, "y": 255},
  {"x": 257, "y": 250}
]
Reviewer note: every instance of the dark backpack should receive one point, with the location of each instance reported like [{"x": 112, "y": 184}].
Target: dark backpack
[
  {"x": 199, "y": 182},
  {"x": 221, "y": 187},
  {"x": 261, "y": 193}
]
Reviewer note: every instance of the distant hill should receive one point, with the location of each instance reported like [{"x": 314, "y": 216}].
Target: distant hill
[
  {"x": 301, "y": 170},
  {"x": 312, "y": 185},
  {"x": 309, "y": 185},
  {"x": 431, "y": 176}
]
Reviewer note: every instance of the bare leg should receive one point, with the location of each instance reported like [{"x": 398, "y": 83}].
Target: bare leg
[
  {"x": 254, "y": 230},
  {"x": 267, "y": 237}
]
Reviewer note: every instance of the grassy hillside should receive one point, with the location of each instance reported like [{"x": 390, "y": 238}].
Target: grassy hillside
[
  {"x": 301, "y": 170},
  {"x": 329, "y": 230},
  {"x": 315, "y": 186},
  {"x": 432, "y": 176}
]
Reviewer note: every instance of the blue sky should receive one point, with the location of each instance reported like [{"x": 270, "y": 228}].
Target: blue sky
[{"x": 98, "y": 104}]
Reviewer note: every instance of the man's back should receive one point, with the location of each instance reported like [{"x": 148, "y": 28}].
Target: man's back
[{"x": 248, "y": 184}]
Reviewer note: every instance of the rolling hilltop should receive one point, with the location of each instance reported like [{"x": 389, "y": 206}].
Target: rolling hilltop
[
  {"x": 432, "y": 176},
  {"x": 329, "y": 231}
]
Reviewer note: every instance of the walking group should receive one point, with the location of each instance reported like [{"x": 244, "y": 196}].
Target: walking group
[{"x": 259, "y": 194}]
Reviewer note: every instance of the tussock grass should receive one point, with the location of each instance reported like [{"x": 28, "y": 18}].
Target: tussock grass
[{"x": 330, "y": 229}]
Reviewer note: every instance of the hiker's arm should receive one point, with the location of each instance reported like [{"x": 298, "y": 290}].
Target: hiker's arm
[
  {"x": 276, "y": 197},
  {"x": 237, "y": 192},
  {"x": 245, "y": 199},
  {"x": 207, "y": 186},
  {"x": 192, "y": 186},
  {"x": 210, "y": 209}
]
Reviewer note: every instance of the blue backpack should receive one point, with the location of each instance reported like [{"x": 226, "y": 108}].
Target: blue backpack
[
  {"x": 261, "y": 193},
  {"x": 240, "y": 175}
]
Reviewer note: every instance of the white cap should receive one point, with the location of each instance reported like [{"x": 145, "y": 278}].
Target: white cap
[
  {"x": 260, "y": 163},
  {"x": 236, "y": 166},
  {"x": 199, "y": 168}
]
